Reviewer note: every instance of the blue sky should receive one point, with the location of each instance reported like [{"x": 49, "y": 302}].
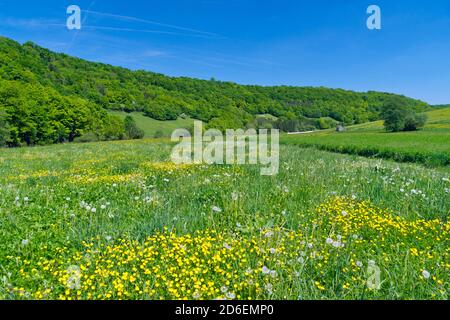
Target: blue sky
[{"x": 267, "y": 42}]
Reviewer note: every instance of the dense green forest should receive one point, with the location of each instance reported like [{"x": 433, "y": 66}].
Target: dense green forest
[{"x": 48, "y": 97}]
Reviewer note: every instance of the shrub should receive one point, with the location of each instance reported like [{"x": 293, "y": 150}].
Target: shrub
[
  {"x": 131, "y": 129},
  {"x": 398, "y": 116},
  {"x": 113, "y": 129},
  {"x": 87, "y": 137},
  {"x": 415, "y": 121},
  {"x": 4, "y": 130}
]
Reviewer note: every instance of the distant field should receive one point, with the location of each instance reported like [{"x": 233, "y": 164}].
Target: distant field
[
  {"x": 430, "y": 146},
  {"x": 151, "y": 126},
  {"x": 437, "y": 120}
]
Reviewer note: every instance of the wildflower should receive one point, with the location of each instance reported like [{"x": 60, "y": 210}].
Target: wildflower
[
  {"x": 234, "y": 196},
  {"x": 26, "y": 199},
  {"x": 230, "y": 295},
  {"x": 25, "y": 242},
  {"x": 273, "y": 250},
  {"x": 224, "y": 289},
  {"x": 359, "y": 264},
  {"x": 94, "y": 210},
  {"x": 329, "y": 241},
  {"x": 227, "y": 246},
  {"x": 273, "y": 273},
  {"x": 103, "y": 207},
  {"x": 268, "y": 234},
  {"x": 426, "y": 274},
  {"x": 216, "y": 209},
  {"x": 265, "y": 270},
  {"x": 344, "y": 213}
]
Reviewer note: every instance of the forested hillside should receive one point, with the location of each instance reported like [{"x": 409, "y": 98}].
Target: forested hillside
[{"x": 47, "y": 97}]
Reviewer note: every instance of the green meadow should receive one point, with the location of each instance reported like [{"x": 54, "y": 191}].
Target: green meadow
[
  {"x": 429, "y": 146},
  {"x": 118, "y": 220}
]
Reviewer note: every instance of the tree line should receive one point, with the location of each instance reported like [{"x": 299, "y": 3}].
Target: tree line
[{"x": 48, "y": 97}]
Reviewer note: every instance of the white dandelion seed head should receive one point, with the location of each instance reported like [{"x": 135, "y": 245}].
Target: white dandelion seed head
[
  {"x": 426, "y": 274},
  {"x": 268, "y": 234},
  {"x": 196, "y": 295},
  {"x": 265, "y": 270},
  {"x": 230, "y": 295}
]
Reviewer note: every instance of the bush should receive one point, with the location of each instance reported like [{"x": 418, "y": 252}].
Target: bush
[
  {"x": 113, "y": 129},
  {"x": 398, "y": 116},
  {"x": 131, "y": 129},
  {"x": 414, "y": 122},
  {"x": 4, "y": 130},
  {"x": 87, "y": 137}
]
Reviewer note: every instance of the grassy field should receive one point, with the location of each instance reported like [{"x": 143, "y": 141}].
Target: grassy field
[
  {"x": 118, "y": 220},
  {"x": 437, "y": 120},
  {"x": 151, "y": 126},
  {"x": 430, "y": 146}
]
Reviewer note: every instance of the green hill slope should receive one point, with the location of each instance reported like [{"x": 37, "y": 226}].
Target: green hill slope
[{"x": 105, "y": 87}]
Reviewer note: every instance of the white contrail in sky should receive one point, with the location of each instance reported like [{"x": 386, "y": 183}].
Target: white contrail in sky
[{"x": 149, "y": 22}]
